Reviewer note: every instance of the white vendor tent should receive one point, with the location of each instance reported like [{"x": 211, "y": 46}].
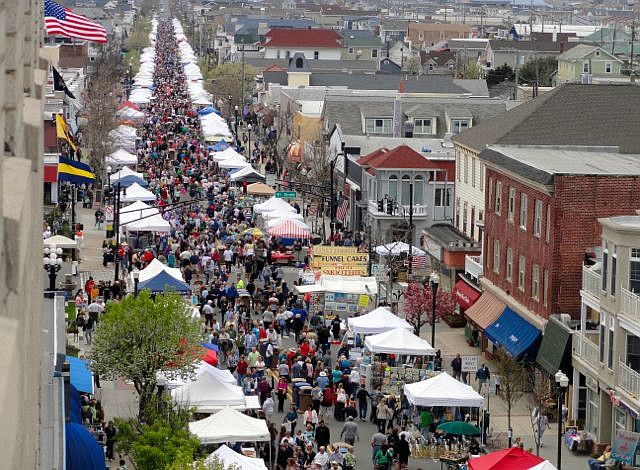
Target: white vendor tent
[
  {"x": 121, "y": 157},
  {"x": 395, "y": 248},
  {"x": 126, "y": 171},
  {"x": 282, "y": 214},
  {"x": 377, "y": 321},
  {"x": 174, "y": 381},
  {"x": 230, "y": 458},
  {"x": 229, "y": 425},
  {"x": 442, "y": 390},
  {"x": 135, "y": 192},
  {"x": 299, "y": 223},
  {"x": 60, "y": 242},
  {"x": 247, "y": 172},
  {"x": 207, "y": 394},
  {"x": 229, "y": 152},
  {"x": 347, "y": 285},
  {"x": 155, "y": 223},
  {"x": 545, "y": 465},
  {"x": 233, "y": 163},
  {"x": 136, "y": 211},
  {"x": 398, "y": 341},
  {"x": 273, "y": 204},
  {"x": 156, "y": 267}
]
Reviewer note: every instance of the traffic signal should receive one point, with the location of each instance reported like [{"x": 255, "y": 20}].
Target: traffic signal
[
  {"x": 381, "y": 205},
  {"x": 390, "y": 207},
  {"x": 244, "y": 187}
]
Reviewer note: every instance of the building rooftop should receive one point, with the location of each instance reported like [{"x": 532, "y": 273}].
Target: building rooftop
[
  {"x": 450, "y": 238},
  {"x": 538, "y": 46},
  {"x": 296, "y": 37},
  {"x": 622, "y": 222},
  {"x": 579, "y": 51},
  {"x": 541, "y": 163},
  {"x": 431, "y": 148},
  {"x": 318, "y": 65},
  {"x": 572, "y": 114},
  {"x": 402, "y": 156}
]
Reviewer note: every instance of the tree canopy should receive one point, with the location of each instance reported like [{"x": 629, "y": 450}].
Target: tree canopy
[
  {"x": 141, "y": 336},
  {"x": 225, "y": 80},
  {"x": 418, "y": 302},
  {"x": 541, "y": 69},
  {"x": 500, "y": 74}
]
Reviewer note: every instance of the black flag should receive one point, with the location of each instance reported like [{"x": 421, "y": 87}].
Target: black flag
[{"x": 59, "y": 84}]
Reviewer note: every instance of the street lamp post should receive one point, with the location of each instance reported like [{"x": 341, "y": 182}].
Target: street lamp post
[
  {"x": 434, "y": 280},
  {"x": 136, "y": 280},
  {"x": 116, "y": 228},
  {"x": 52, "y": 263},
  {"x": 562, "y": 382},
  {"x": 236, "y": 122},
  {"x": 249, "y": 141}
]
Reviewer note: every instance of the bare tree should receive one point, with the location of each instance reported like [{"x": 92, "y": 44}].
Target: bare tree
[{"x": 512, "y": 379}]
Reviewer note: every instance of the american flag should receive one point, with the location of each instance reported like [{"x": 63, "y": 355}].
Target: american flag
[
  {"x": 418, "y": 262},
  {"x": 63, "y": 21},
  {"x": 342, "y": 209}
]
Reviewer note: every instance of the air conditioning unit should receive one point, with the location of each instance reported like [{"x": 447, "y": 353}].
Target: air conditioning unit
[{"x": 565, "y": 318}]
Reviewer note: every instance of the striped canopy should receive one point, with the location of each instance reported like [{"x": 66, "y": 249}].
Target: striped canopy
[{"x": 289, "y": 229}]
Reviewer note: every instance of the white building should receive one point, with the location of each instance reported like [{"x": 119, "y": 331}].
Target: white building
[{"x": 315, "y": 44}]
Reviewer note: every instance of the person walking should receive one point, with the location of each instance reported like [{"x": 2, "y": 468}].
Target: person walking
[
  {"x": 88, "y": 329},
  {"x": 267, "y": 408},
  {"x": 402, "y": 451},
  {"x": 362, "y": 396},
  {"x": 110, "y": 433},
  {"x": 349, "y": 431},
  {"x": 323, "y": 435},
  {"x": 456, "y": 367},
  {"x": 377, "y": 440},
  {"x": 482, "y": 376}
]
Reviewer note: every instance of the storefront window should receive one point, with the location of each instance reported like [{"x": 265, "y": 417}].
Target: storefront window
[{"x": 619, "y": 419}]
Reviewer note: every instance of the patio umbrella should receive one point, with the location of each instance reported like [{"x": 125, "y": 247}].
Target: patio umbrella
[
  {"x": 459, "y": 428},
  {"x": 513, "y": 458},
  {"x": 210, "y": 357},
  {"x": 254, "y": 232},
  {"x": 95, "y": 307}
]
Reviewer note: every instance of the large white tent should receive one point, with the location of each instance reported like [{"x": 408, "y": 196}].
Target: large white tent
[
  {"x": 155, "y": 223},
  {"x": 207, "y": 394},
  {"x": 229, "y": 425},
  {"x": 174, "y": 381},
  {"x": 442, "y": 390},
  {"x": 229, "y": 152},
  {"x": 230, "y": 458},
  {"x": 398, "y": 341},
  {"x": 395, "y": 248},
  {"x": 129, "y": 113},
  {"x": 135, "y": 192},
  {"x": 299, "y": 223},
  {"x": 125, "y": 171},
  {"x": 136, "y": 211},
  {"x": 282, "y": 214},
  {"x": 121, "y": 157},
  {"x": 272, "y": 204},
  {"x": 343, "y": 284},
  {"x": 246, "y": 172},
  {"x": 60, "y": 241},
  {"x": 377, "y": 321},
  {"x": 156, "y": 267},
  {"x": 233, "y": 163}
]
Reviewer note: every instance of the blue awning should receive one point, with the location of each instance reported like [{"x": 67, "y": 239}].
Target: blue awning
[
  {"x": 81, "y": 376},
  {"x": 164, "y": 281},
  {"x": 75, "y": 405},
  {"x": 82, "y": 449},
  {"x": 512, "y": 332}
]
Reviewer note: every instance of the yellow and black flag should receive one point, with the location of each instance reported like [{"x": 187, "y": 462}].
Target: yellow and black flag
[{"x": 63, "y": 133}]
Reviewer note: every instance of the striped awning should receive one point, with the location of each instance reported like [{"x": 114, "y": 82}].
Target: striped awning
[{"x": 289, "y": 229}]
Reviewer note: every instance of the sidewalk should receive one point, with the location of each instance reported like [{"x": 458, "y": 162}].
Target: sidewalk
[{"x": 452, "y": 341}]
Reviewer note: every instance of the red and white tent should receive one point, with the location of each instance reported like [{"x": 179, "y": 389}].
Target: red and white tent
[{"x": 289, "y": 229}]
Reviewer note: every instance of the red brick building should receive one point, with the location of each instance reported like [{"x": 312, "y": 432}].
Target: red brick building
[{"x": 542, "y": 209}]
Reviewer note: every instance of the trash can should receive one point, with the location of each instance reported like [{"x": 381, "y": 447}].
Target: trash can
[
  {"x": 297, "y": 386},
  {"x": 304, "y": 397}
]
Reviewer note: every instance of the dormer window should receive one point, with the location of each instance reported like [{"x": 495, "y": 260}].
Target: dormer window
[
  {"x": 378, "y": 125},
  {"x": 299, "y": 63}
]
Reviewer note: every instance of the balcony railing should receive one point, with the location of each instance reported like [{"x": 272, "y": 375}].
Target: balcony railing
[
  {"x": 628, "y": 380},
  {"x": 591, "y": 281},
  {"x": 418, "y": 210},
  {"x": 630, "y": 304},
  {"x": 473, "y": 266},
  {"x": 586, "y": 350}
]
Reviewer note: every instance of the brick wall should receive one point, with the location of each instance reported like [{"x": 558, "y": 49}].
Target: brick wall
[{"x": 575, "y": 206}]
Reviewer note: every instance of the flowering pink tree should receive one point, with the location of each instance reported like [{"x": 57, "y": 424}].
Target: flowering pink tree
[{"x": 418, "y": 302}]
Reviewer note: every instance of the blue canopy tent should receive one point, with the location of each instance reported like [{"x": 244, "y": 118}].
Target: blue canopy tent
[
  {"x": 163, "y": 281},
  {"x": 82, "y": 449},
  {"x": 219, "y": 147},
  {"x": 516, "y": 335},
  {"x": 206, "y": 110},
  {"x": 80, "y": 375},
  {"x": 75, "y": 405},
  {"x": 128, "y": 180},
  {"x": 213, "y": 347}
]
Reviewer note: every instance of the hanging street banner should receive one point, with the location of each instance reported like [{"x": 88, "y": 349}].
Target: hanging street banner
[{"x": 340, "y": 260}]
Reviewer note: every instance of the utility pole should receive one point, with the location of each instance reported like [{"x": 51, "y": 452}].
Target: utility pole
[
  {"x": 633, "y": 34},
  {"x": 242, "y": 79},
  {"x": 410, "y": 267}
]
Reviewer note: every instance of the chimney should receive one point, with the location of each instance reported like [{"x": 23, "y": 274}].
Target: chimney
[{"x": 401, "y": 86}]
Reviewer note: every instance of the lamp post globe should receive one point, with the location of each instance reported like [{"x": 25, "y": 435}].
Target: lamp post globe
[{"x": 434, "y": 280}]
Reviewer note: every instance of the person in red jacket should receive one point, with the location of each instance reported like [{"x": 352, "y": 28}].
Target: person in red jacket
[{"x": 241, "y": 369}]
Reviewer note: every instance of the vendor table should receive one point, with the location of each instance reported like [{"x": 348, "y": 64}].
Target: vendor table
[{"x": 453, "y": 461}]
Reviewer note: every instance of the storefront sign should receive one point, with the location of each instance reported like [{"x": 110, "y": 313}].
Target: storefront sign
[
  {"x": 469, "y": 363},
  {"x": 617, "y": 401},
  {"x": 339, "y": 260},
  {"x": 624, "y": 446}
]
